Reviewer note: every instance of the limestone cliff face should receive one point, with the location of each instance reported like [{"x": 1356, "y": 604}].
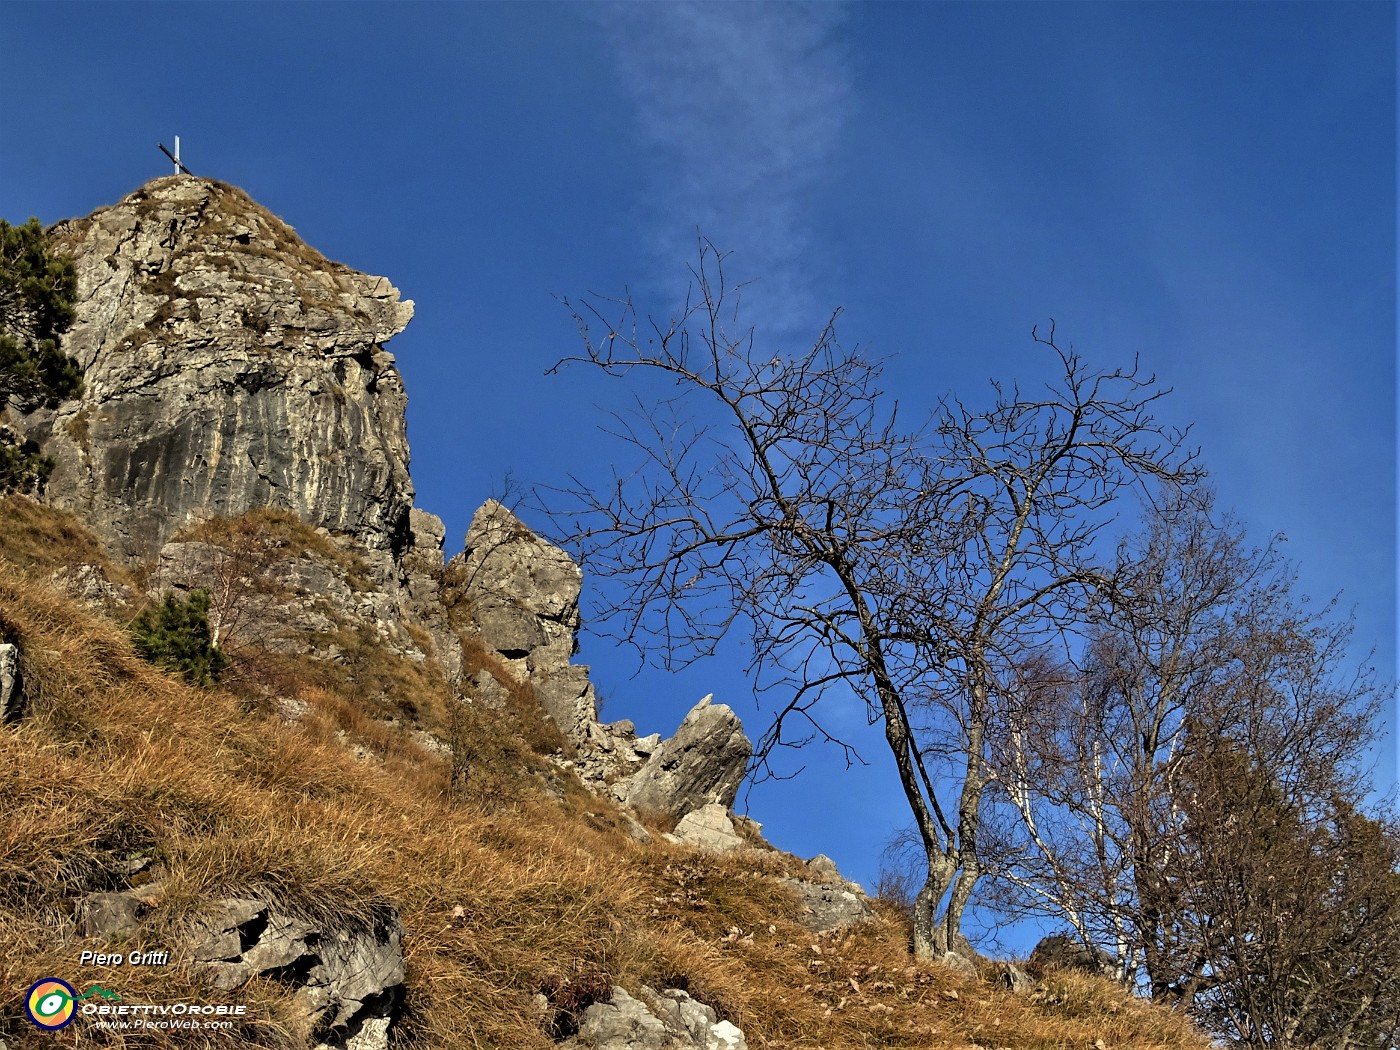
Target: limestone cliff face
[{"x": 227, "y": 366}]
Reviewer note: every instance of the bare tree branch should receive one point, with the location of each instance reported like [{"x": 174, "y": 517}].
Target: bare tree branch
[{"x": 911, "y": 568}]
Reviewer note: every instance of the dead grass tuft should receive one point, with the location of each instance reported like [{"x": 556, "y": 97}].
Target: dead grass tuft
[{"x": 37, "y": 540}]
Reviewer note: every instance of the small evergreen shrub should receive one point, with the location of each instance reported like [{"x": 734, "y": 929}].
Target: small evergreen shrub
[
  {"x": 176, "y": 636},
  {"x": 23, "y": 466},
  {"x": 37, "y": 287}
]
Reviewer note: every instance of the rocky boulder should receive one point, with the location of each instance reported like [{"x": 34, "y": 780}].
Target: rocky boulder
[
  {"x": 710, "y": 829},
  {"x": 1062, "y": 951},
  {"x": 226, "y": 366},
  {"x": 830, "y": 905},
  {"x": 703, "y": 763},
  {"x": 669, "y": 1020},
  {"x": 349, "y": 978},
  {"x": 11, "y": 684}
]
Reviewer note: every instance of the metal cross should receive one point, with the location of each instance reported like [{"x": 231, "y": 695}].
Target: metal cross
[{"x": 175, "y": 156}]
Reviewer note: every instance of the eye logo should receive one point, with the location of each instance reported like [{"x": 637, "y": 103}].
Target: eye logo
[{"x": 49, "y": 1003}]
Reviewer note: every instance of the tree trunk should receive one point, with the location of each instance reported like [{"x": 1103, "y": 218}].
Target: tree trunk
[
  {"x": 931, "y": 936},
  {"x": 963, "y": 885}
]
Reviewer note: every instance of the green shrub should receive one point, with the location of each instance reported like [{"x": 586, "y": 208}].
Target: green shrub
[
  {"x": 23, "y": 466},
  {"x": 176, "y": 636},
  {"x": 37, "y": 288}
]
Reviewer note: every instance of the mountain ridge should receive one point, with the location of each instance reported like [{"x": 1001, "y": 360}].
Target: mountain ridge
[{"x": 401, "y": 798}]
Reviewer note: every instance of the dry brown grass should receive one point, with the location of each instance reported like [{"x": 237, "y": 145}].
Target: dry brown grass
[
  {"x": 38, "y": 539},
  {"x": 270, "y": 534},
  {"x": 504, "y": 893}
]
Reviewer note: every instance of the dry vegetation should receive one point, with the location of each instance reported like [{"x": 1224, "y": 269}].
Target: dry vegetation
[{"x": 505, "y": 891}]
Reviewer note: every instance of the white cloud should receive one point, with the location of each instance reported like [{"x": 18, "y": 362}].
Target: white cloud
[{"x": 740, "y": 108}]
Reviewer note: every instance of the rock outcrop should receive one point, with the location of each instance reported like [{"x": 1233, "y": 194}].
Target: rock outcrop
[
  {"x": 669, "y": 1020},
  {"x": 710, "y": 829},
  {"x": 520, "y": 593},
  {"x": 226, "y": 366},
  {"x": 349, "y": 977},
  {"x": 830, "y": 905},
  {"x": 11, "y": 684},
  {"x": 1062, "y": 951},
  {"x": 702, "y": 764}
]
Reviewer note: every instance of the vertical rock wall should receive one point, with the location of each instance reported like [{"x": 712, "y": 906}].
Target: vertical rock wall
[{"x": 227, "y": 366}]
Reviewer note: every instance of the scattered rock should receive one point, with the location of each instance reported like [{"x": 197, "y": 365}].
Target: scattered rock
[
  {"x": 828, "y": 906},
  {"x": 290, "y": 707},
  {"x": 623, "y": 1023},
  {"x": 824, "y": 867},
  {"x": 680, "y": 1012},
  {"x": 349, "y": 980},
  {"x": 751, "y": 831},
  {"x": 109, "y": 915},
  {"x": 89, "y": 585},
  {"x": 635, "y": 830},
  {"x": 11, "y": 684},
  {"x": 1014, "y": 979},
  {"x": 669, "y": 1020},
  {"x": 959, "y": 964}
]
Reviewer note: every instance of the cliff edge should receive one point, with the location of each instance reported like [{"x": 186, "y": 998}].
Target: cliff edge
[{"x": 227, "y": 366}]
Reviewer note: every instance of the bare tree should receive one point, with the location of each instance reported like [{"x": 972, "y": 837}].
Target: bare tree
[
  {"x": 910, "y": 567},
  {"x": 1202, "y": 760},
  {"x": 1091, "y": 748}
]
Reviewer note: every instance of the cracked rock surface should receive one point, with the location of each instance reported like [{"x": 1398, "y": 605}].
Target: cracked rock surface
[
  {"x": 349, "y": 978},
  {"x": 227, "y": 365}
]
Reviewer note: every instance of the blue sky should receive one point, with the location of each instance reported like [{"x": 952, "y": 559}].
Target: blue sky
[{"x": 1211, "y": 186}]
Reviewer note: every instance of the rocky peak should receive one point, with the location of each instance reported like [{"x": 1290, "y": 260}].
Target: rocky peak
[{"x": 227, "y": 366}]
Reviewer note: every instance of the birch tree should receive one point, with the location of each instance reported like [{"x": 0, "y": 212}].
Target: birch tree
[{"x": 1190, "y": 792}]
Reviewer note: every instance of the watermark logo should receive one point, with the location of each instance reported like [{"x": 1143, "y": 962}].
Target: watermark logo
[
  {"x": 53, "y": 1004},
  {"x": 50, "y": 1003}
]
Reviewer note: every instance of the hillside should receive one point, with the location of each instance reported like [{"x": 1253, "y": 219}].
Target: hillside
[{"x": 396, "y": 821}]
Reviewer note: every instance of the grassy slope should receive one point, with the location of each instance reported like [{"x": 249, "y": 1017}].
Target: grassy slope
[{"x": 505, "y": 892}]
